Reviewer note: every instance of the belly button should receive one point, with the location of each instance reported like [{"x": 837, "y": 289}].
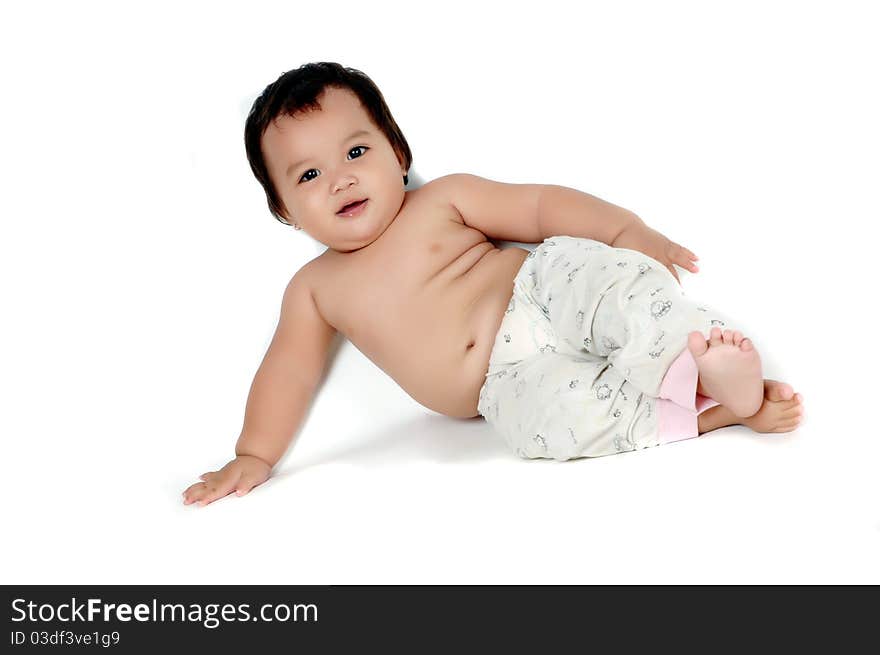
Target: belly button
[{"x": 471, "y": 345}]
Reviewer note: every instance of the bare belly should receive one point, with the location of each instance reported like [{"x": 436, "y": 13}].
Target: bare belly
[
  {"x": 463, "y": 323},
  {"x": 432, "y": 333}
]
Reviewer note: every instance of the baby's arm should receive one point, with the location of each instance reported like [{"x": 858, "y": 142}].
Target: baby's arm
[
  {"x": 279, "y": 398},
  {"x": 566, "y": 211}
]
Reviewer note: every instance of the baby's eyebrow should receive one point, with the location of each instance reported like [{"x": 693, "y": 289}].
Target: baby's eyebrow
[{"x": 292, "y": 167}]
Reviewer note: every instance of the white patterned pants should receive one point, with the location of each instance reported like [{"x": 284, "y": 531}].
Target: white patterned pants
[{"x": 581, "y": 354}]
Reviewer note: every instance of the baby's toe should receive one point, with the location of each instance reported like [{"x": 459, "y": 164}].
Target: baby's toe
[
  {"x": 777, "y": 391},
  {"x": 697, "y": 344},
  {"x": 792, "y": 413}
]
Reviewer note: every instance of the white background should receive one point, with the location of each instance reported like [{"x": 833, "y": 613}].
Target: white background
[{"x": 142, "y": 276}]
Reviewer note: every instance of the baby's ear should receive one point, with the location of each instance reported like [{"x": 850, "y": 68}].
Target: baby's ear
[{"x": 285, "y": 215}]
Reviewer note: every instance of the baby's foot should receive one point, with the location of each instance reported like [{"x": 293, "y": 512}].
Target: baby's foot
[
  {"x": 774, "y": 390},
  {"x": 782, "y": 409},
  {"x": 729, "y": 370}
]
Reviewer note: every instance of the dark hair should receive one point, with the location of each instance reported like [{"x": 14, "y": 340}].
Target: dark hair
[{"x": 298, "y": 90}]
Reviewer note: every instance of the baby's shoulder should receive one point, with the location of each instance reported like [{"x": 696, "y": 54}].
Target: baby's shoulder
[
  {"x": 441, "y": 193},
  {"x": 444, "y": 186},
  {"x": 323, "y": 264}
]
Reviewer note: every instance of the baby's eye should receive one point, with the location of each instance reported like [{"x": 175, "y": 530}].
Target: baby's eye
[{"x": 364, "y": 148}]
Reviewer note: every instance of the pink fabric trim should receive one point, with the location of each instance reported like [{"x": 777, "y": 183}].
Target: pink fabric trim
[{"x": 679, "y": 404}]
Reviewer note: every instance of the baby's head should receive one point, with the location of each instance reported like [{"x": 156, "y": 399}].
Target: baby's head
[{"x": 298, "y": 136}]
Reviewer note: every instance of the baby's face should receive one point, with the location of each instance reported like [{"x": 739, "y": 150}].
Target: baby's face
[{"x": 324, "y": 159}]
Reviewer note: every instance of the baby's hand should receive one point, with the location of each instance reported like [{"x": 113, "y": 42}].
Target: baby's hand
[
  {"x": 650, "y": 242},
  {"x": 240, "y": 475}
]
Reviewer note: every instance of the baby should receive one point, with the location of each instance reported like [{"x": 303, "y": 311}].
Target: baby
[{"x": 585, "y": 347}]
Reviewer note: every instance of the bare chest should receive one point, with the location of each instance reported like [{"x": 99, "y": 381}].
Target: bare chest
[{"x": 423, "y": 303}]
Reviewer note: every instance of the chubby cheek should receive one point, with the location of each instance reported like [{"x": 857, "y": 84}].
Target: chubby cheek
[{"x": 308, "y": 203}]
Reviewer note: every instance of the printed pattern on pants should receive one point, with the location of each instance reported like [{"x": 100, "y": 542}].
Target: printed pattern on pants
[{"x": 583, "y": 347}]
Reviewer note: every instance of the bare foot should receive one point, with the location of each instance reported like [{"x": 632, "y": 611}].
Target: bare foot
[
  {"x": 729, "y": 370},
  {"x": 782, "y": 409},
  {"x": 775, "y": 390}
]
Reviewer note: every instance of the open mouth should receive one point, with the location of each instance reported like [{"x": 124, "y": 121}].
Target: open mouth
[{"x": 353, "y": 208}]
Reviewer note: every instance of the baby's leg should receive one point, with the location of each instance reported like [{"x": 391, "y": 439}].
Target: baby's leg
[
  {"x": 624, "y": 305},
  {"x": 561, "y": 407}
]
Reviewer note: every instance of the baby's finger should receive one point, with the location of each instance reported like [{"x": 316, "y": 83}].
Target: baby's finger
[
  {"x": 218, "y": 488},
  {"x": 685, "y": 261},
  {"x": 212, "y": 494},
  {"x": 191, "y": 493},
  {"x": 245, "y": 485},
  {"x": 195, "y": 493}
]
